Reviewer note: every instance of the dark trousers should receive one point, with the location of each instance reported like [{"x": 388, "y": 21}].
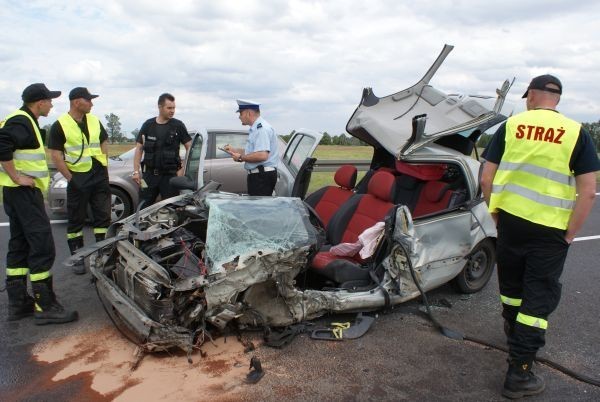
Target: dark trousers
[
  {"x": 262, "y": 183},
  {"x": 31, "y": 244},
  {"x": 83, "y": 190},
  {"x": 530, "y": 262},
  {"x": 157, "y": 184}
]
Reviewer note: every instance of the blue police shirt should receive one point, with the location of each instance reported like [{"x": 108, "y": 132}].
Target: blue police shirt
[{"x": 261, "y": 137}]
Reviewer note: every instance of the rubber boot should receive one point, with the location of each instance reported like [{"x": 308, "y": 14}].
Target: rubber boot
[
  {"x": 74, "y": 245},
  {"x": 47, "y": 309},
  {"x": 20, "y": 304},
  {"x": 520, "y": 380}
]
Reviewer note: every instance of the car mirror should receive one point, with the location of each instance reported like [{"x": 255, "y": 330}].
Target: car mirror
[{"x": 182, "y": 183}]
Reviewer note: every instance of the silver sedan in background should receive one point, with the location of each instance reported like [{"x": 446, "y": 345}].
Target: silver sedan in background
[{"x": 219, "y": 167}]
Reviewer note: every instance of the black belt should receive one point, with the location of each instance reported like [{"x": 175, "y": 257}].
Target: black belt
[{"x": 157, "y": 172}]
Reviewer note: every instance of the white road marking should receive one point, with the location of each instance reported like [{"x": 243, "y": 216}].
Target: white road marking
[
  {"x": 5, "y": 224},
  {"x": 584, "y": 238}
]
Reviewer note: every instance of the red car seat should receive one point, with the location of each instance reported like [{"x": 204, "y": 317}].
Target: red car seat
[
  {"x": 360, "y": 212},
  {"x": 327, "y": 200}
]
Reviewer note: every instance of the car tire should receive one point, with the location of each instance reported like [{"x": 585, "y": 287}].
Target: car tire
[
  {"x": 478, "y": 269},
  {"x": 120, "y": 204}
]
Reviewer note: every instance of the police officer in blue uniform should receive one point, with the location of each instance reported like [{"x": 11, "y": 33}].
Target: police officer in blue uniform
[{"x": 260, "y": 154}]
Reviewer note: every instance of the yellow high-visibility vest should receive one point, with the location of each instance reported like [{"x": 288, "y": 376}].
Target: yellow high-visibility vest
[
  {"x": 79, "y": 151},
  {"x": 29, "y": 162},
  {"x": 534, "y": 180}
]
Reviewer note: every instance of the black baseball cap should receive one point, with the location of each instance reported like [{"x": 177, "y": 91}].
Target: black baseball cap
[
  {"x": 38, "y": 91},
  {"x": 540, "y": 83},
  {"x": 81, "y": 92}
]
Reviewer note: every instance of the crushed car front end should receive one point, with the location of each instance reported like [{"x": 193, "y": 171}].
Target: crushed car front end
[{"x": 167, "y": 273}]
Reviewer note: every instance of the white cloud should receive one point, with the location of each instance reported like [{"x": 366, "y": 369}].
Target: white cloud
[{"x": 306, "y": 61}]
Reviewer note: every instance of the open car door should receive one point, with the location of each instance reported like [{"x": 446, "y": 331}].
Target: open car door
[
  {"x": 293, "y": 170},
  {"x": 193, "y": 177}
]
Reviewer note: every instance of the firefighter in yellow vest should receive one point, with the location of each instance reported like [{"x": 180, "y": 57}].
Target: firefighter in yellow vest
[
  {"x": 539, "y": 180},
  {"x": 24, "y": 179},
  {"x": 78, "y": 146}
]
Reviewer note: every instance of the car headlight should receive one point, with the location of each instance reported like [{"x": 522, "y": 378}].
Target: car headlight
[{"x": 60, "y": 183}]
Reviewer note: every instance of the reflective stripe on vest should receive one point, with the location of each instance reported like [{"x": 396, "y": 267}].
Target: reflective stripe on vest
[
  {"x": 78, "y": 149},
  {"x": 533, "y": 180},
  {"x": 532, "y": 321},
  {"x": 28, "y": 162}
]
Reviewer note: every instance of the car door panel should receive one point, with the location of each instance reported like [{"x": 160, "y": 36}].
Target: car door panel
[{"x": 300, "y": 146}]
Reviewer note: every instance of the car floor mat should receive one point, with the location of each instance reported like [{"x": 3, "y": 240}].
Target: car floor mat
[{"x": 340, "y": 331}]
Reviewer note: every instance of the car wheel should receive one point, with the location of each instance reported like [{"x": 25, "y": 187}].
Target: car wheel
[
  {"x": 120, "y": 204},
  {"x": 478, "y": 270}
]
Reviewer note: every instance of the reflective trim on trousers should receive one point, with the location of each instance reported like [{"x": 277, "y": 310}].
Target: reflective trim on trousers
[
  {"x": 511, "y": 301},
  {"x": 75, "y": 235},
  {"x": 39, "y": 277},
  {"x": 17, "y": 271},
  {"x": 532, "y": 321}
]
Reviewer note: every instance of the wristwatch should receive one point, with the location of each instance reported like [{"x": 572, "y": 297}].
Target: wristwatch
[
  {"x": 240, "y": 159},
  {"x": 135, "y": 172}
]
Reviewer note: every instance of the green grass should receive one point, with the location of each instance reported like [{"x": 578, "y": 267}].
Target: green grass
[
  {"x": 342, "y": 152},
  {"x": 321, "y": 179}
]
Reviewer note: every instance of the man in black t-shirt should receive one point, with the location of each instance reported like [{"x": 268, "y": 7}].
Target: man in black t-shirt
[{"x": 159, "y": 140}]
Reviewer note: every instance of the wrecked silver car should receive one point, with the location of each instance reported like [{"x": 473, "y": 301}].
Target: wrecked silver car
[{"x": 205, "y": 260}]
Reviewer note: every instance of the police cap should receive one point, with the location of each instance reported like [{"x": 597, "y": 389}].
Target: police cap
[{"x": 246, "y": 104}]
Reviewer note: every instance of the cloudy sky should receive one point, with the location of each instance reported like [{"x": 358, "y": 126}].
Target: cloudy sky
[{"x": 305, "y": 61}]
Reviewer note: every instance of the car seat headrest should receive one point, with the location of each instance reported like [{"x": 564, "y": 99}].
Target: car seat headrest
[
  {"x": 382, "y": 185},
  {"x": 345, "y": 176}
]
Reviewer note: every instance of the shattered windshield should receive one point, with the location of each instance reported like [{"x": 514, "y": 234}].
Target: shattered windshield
[{"x": 242, "y": 225}]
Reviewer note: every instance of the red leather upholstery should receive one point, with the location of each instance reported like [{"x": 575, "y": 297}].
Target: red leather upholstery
[
  {"x": 360, "y": 212},
  {"x": 327, "y": 200},
  {"x": 434, "y": 197},
  {"x": 423, "y": 171},
  {"x": 345, "y": 177}
]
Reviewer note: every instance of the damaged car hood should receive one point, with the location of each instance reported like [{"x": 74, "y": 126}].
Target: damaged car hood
[{"x": 387, "y": 122}]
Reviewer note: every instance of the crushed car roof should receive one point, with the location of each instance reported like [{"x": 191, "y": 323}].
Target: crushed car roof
[{"x": 388, "y": 121}]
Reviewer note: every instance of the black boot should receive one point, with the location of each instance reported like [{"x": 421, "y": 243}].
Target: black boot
[
  {"x": 47, "y": 309},
  {"x": 20, "y": 304},
  {"x": 520, "y": 381},
  {"x": 74, "y": 245}
]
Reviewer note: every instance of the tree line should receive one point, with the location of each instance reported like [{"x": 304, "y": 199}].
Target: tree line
[{"x": 328, "y": 139}]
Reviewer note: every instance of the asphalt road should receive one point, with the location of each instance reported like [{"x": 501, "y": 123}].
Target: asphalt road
[{"x": 402, "y": 357}]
